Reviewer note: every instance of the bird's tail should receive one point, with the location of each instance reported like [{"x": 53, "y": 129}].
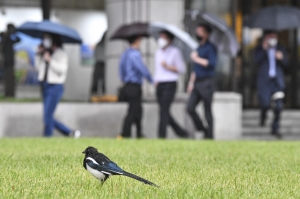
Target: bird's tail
[{"x": 125, "y": 173}]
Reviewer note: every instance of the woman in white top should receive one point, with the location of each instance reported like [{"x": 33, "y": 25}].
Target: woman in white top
[
  {"x": 52, "y": 65},
  {"x": 169, "y": 65}
]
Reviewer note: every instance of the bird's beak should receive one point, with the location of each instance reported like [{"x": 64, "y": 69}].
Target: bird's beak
[{"x": 83, "y": 152}]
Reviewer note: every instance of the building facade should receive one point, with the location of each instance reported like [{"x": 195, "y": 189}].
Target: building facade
[{"x": 237, "y": 74}]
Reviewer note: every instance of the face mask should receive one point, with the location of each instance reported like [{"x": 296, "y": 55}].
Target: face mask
[
  {"x": 199, "y": 38},
  {"x": 273, "y": 42},
  {"x": 162, "y": 43},
  {"x": 47, "y": 43}
]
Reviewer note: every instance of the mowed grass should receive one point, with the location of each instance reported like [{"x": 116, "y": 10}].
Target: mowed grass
[{"x": 52, "y": 168}]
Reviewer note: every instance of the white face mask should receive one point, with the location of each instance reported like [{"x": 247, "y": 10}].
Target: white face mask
[
  {"x": 273, "y": 42},
  {"x": 162, "y": 43},
  {"x": 47, "y": 43}
]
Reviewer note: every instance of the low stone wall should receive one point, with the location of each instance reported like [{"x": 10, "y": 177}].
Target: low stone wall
[{"x": 105, "y": 119}]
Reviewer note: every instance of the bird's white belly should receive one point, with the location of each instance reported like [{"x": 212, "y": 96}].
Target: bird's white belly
[{"x": 97, "y": 174}]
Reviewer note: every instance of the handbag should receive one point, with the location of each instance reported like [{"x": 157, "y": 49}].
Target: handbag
[{"x": 121, "y": 94}]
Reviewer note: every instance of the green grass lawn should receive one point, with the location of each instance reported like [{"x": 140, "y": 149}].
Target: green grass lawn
[{"x": 52, "y": 168}]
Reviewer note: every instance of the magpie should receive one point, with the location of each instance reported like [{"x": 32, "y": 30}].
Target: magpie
[{"x": 101, "y": 167}]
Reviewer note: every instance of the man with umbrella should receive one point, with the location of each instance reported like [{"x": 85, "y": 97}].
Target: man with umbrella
[
  {"x": 132, "y": 72},
  {"x": 271, "y": 60},
  {"x": 201, "y": 84}
]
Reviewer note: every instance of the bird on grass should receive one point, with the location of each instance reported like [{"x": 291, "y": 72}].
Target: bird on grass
[{"x": 101, "y": 167}]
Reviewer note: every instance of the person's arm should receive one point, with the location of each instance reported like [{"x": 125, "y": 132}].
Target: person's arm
[
  {"x": 195, "y": 58},
  {"x": 15, "y": 39},
  {"x": 179, "y": 65},
  {"x": 140, "y": 66},
  {"x": 210, "y": 61},
  {"x": 191, "y": 82},
  {"x": 38, "y": 59},
  {"x": 121, "y": 69},
  {"x": 57, "y": 63},
  {"x": 212, "y": 57},
  {"x": 169, "y": 67},
  {"x": 281, "y": 57},
  {"x": 260, "y": 53}
]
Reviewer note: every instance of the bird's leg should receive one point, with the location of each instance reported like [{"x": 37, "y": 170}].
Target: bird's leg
[{"x": 104, "y": 179}]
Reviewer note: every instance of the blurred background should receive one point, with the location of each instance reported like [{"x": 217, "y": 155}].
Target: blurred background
[
  {"x": 92, "y": 18},
  {"x": 89, "y": 18}
]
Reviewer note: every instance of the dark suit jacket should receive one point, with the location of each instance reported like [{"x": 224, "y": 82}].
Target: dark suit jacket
[{"x": 261, "y": 59}]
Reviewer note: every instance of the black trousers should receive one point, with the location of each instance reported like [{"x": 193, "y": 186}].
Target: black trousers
[
  {"x": 265, "y": 94},
  {"x": 203, "y": 91},
  {"x": 9, "y": 81},
  {"x": 133, "y": 95},
  {"x": 99, "y": 75},
  {"x": 165, "y": 95}
]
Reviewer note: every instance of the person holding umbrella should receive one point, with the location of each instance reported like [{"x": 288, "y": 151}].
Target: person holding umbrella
[
  {"x": 51, "y": 62},
  {"x": 132, "y": 71},
  {"x": 271, "y": 60},
  {"x": 169, "y": 65},
  {"x": 52, "y": 65},
  {"x": 201, "y": 84}
]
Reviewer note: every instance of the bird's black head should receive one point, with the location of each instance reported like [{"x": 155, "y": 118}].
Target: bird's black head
[{"x": 90, "y": 150}]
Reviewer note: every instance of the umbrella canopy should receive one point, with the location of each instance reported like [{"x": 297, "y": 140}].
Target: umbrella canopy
[
  {"x": 223, "y": 37},
  {"x": 275, "y": 18},
  {"x": 37, "y": 29},
  {"x": 182, "y": 39},
  {"x": 128, "y": 30}
]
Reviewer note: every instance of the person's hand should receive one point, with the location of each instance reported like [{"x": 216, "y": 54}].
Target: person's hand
[
  {"x": 190, "y": 87},
  {"x": 194, "y": 56},
  {"x": 279, "y": 55},
  {"x": 164, "y": 64},
  {"x": 47, "y": 56},
  {"x": 40, "y": 49}
]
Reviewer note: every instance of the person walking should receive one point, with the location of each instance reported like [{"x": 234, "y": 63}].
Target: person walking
[
  {"x": 201, "y": 83},
  {"x": 132, "y": 72},
  {"x": 9, "y": 39},
  {"x": 52, "y": 65},
  {"x": 99, "y": 68},
  {"x": 169, "y": 65},
  {"x": 271, "y": 59}
]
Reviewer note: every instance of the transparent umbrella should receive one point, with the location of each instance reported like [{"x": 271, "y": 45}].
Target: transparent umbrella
[
  {"x": 182, "y": 39},
  {"x": 223, "y": 37}
]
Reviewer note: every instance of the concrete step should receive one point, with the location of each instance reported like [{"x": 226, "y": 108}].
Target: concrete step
[
  {"x": 290, "y": 125},
  {"x": 286, "y": 114},
  {"x": 270, "y": 137},
  {"x": 253, "y": 123},
  {"x": 267, "y": 130}
]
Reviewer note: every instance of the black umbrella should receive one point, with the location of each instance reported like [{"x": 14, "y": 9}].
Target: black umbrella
[
  {"x": 129, "y": 30},
  {"x": 275, "y": 18}
]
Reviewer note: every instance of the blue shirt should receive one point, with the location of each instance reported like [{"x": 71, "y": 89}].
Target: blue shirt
[
  {"x": 132, "y": 68},
  {"x": 209, "y": 52},
  {"x": 272, "y": 62}
]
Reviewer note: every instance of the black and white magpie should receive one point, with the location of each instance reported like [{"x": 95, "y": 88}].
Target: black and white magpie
[{"x": 101, "y": 167}]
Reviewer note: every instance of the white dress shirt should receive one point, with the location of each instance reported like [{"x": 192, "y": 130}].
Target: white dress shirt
[
  {"x": 58, "y": 67},
  {"x": 173, "y": 57}
]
